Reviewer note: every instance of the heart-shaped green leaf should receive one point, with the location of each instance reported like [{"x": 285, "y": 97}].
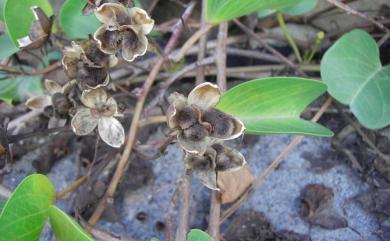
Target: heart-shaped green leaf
[
  {"x": 223, "y": 10},
  {"x": 74, "y": 23},
  {"x": 355, "y": 77},
  {"x": 273, "y": 105},
  {"x": 198, "y": 235},
  {"x": 26, "y": 211},
  {"x": 19, "y": 17},
  {"x": 65, "y": 228}
]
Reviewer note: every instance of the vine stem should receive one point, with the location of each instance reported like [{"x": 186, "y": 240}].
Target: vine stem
[
  {"x": 183, "y": 224},
  {"x": 200, "y": 76},
  {"x": 132, "y": 133},
  {"x": 220, "y": 57},
  {"x": 288, "y": 36}
]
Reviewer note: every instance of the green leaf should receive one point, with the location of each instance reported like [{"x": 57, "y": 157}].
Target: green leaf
[
  {"x": 2, "y": 3},
  {"x": 198, "y": 235},
  {"x": 155, "y": 239},
  {"x": 26, "y": 211},
  {"x": 74, "y": 23},
  {"x": 2, "y": 204},
  {"x": 273, "y": 105},
  {"x": 355, "y": 76},
  {"x": 19, "y": 17},
  {"x": 301, "y": 8},
  {"x": 223, "y": 10},
  {"x": 65, "y": 228},
  {"x": 8, "y": 48},
  {"x": 20, "y": 88}
]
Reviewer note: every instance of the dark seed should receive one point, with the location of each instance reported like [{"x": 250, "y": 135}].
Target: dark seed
[
  {"x": 197, "y": 132},
  {"x": 222, "y": 124},
  {"x": 187, "y": 117},
  {"x": 61, "y": 103}
]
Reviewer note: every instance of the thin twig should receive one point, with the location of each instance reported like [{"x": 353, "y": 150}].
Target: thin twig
[
  {"x": 359, "y": 130},
  {"x": 183, "y": 223},
  {"x": 190, "y": 42},
  {"x": 215, "y": 201},
  {"x": 152, "y": 120},
  {"x": 215, "y": 214},
  {"x": 200, "y": 77},
  {"x": 350, "y": 10},
  {"x": 275, "y": 163},
  {"x": 132, "y": 133},
  {"x": 221, "y": 55},
  {"x": 71, "y": 187},
  {"x": 165, "y": 85},
  {"x": 170, "y": 214},
  {"x": 264, "y": 44}
]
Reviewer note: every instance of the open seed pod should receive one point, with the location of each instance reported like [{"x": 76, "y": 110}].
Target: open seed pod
[
  {"x": 197, "y": 123},
  {"x": 86, "y": 64},
  {"x": 217, "y": 157},
  {"x": 99, "y": 111},
  {"x": 39, "y": 31},
  {"x": 125, "y": 40},
  {"x": 91, "y": 5},
  {"x": 223, "y": 126}
]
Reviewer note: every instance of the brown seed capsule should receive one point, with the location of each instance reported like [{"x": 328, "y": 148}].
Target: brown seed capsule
[
  {"x": 227, "y": 158},
  {"x": 61, "y": 103},
  {"x": 197, "y": 132},
  {"x": 39, "y": 31},
  {"x": 90, "y": 76},
  {"x": 187, "y": 117},
  {"x": 222, "y": 124},
  {"x": 94, "y": 55}
]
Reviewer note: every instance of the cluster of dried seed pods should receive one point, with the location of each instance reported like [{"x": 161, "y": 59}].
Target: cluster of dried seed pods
[
  {"x": 87, "y": 63},
  {"x": 201, "y": 130}
]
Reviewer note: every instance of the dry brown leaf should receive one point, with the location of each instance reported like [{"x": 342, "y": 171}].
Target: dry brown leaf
[{"x": 233, "y": 184}]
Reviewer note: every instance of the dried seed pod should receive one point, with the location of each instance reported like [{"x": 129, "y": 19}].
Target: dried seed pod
[
  {"x": 99, "y": 111},
  {"x": 187, "y": 117},
  {"x": 91, "y": 5},
  {"x": 61, "y": 103},
  {"x": 125, "y": 40},
  {"x": 196, "y": 133},
  {"x": 223, "y": 126},
  {"x": 93, "y": 56},
  {"x": 203, "y": 167},
  {"x": 227, "y": 159},
  {"x": 90, "y": 77},
  {"x": 39, "y": 31}
]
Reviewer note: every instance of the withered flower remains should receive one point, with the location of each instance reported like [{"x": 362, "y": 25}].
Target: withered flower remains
[
  {"x": 99, "y": 111},
  {"x": 197, "y": 123},
  {"x": 57, "y": 98},
  {"x": 217, "y": 158},
  {"x": 201, "y": 130},
  {"x": 93, "y": 4},
  {"x": 39, "y": 31},
  {"x": 123, "y": 31},
  {"x": 86, "y": 64}
]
